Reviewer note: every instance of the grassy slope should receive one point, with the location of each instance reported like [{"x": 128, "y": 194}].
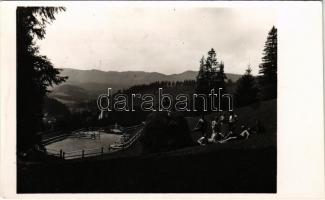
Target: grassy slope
[
  {"x": 247, "y": 166},
  {"x": 266, "y": 112}
]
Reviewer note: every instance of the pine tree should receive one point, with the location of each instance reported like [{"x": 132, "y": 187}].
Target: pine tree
[
  {"x": 268, "y": 67},
  {"x": 211, "y": 62},
  {"x": 202, "y": 78},
  {"x": 35, "y": 72},
  {"x": 202, "y": 68},
  {"x": 211, "y": 75},
  {"x": 246, "y": 91},
  {"x": 219, "y": 77}
]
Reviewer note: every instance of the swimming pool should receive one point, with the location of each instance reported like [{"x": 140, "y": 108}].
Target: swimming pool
[{"x": 76, "y": 146}]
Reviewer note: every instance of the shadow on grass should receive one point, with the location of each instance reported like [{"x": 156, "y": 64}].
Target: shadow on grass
[{"x": 226, "y": 171}]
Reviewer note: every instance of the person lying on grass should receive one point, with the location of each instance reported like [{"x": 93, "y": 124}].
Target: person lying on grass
[
  {"x": 220, "y": 129},
  {"x": 244, "y": 134}
]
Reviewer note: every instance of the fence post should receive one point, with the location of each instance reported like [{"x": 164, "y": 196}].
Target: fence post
[
  {"x": 60, "y": 153},
  {"x": 83, "y": 153},
  {"x": 102, "y": 150},
  {"x": 63, "y": 154}
]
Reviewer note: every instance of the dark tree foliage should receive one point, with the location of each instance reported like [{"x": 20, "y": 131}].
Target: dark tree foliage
[
  {"x": 53, "y": 107},
  {"x": 56, "y": 115},
  {"x": 246, "y": 91},
  {"x": 202, "y": 78},
  {"x": 90, "y": 108},
  {"x": 211, "y": 76},
  {"x": 268, "y": 67},
  {"x": 35, "y": 72},
  {"x": 165, "y": 132},
  {"x": 159, "y": 84}
]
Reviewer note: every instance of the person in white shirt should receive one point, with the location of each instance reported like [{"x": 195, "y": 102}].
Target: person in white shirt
[
  {"x": 215, "y": 130},
  {"x": 202, "y": 126},
  {"x": 232, "y": 121}
]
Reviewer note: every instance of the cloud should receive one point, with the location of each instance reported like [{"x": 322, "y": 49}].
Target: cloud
[{"x": 163, "y": 39}]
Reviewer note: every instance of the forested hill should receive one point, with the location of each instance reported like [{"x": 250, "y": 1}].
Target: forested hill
[
  {"x": 84, "y": 85},
  {"x": 125, "y": 79}
]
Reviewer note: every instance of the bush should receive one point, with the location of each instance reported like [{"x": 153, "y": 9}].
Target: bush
[{"x": 164, "y": 132}]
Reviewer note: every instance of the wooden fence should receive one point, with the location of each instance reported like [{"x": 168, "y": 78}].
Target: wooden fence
[{"x": 83, "y": 153}]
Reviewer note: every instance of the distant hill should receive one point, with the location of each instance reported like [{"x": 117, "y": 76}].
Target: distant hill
[
  {"x": 127, "y": 78},
  {"x": 83, "y": 85},
  {"x": 70, "y": 94}
]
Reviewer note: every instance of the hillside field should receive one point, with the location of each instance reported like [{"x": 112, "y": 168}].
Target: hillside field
[{"x": 248, "y": 166}]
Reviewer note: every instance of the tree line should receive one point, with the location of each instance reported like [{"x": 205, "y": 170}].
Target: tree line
[
  {"x": 158, "y": 84},
  {"x": 250, "y": 89}
]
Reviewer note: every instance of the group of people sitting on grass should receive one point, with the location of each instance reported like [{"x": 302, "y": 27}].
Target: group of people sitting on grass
[{"x": 224, "y": 129}]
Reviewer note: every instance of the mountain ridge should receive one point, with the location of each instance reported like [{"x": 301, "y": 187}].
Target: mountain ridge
[
  {"x": 136, "y": 77},
  {"x": 83, "y": 85}
]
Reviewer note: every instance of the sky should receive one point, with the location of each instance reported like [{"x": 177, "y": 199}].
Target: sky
[{"x": 162, "y": 39}]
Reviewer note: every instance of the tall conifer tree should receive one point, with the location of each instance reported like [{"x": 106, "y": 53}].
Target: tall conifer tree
[
  {"x": 35, "y": 72},
  {"x": 246, "y": 91},
  {"x": 268, "y": 67}
]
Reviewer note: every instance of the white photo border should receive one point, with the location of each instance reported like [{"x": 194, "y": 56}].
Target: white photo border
[{"x": 300, "y": 131}]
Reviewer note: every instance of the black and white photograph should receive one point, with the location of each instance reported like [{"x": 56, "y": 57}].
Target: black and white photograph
[
  {"x": 162, "y": 98},
  {"x": 146, "y": 99}
]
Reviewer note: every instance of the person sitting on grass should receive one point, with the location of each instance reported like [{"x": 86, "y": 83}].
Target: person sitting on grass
[
  {"x": 202, "y": 126},
  {"x": 215, "y": 129},
  {"x": 231, "y": 122},
  {"x": 223, "y": 126},
  {"x": 244, "y": 134}
]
